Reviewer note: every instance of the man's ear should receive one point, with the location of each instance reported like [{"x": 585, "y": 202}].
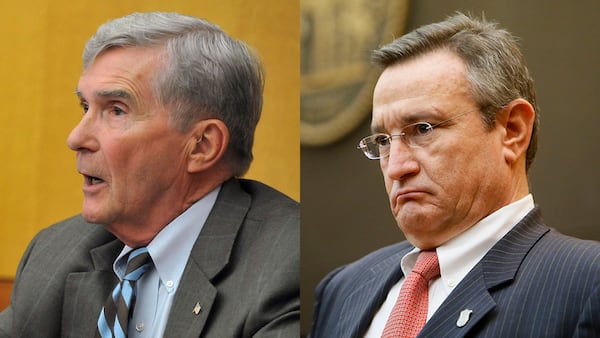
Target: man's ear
[
  {"x": 208, "y": 143},
  {"x": 517, "y": 119}
]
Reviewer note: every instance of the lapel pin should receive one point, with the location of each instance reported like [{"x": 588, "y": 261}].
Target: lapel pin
[
  {"x": 197, "y": 309},
  {"x": 464, "y": 317}
]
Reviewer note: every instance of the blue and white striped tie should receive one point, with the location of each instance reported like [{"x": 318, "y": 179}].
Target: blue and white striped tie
[{"x": 115, "y": 314}]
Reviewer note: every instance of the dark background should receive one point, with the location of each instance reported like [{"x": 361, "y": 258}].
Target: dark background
[{"x": 345, "y": 211}]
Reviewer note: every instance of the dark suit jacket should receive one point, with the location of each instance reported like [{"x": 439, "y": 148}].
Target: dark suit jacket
[
  {"x": 243, "y": 271},
  {"x": 535, "y": 282}
]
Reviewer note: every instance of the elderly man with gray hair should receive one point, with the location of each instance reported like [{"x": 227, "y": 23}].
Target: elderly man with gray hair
[{"x": 170, "y": 242}]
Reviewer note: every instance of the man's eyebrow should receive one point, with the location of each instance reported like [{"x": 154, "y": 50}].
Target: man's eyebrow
[
  {"x": 116, "y": 93},
  {"x": 377, "y": 128},
  {"x": 423, "y": 115}
]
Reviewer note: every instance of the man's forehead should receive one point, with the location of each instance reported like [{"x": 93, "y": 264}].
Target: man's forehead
[
  {"x": 428, "y": 108},
  {"x": 416, "y": 106},
  {"x": 425, "y": 88},
  {"x": 429, "y": 74}
]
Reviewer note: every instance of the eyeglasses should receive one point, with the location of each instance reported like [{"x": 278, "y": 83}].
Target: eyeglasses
[{"x": 415, "y": 135}]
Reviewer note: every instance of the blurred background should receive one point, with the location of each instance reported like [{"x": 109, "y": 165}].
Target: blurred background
[
  {"x": 40, "y": 66},
  {"x": 345, "y": 211}
]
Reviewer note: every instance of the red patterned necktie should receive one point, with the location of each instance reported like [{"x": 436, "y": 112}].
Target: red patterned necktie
[{"x": 410, "y": 311}]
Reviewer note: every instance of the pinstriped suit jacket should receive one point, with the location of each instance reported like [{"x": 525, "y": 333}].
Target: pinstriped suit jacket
[
  {"x": 535, "y": 282},
  {"x": 243, "y": 271}
]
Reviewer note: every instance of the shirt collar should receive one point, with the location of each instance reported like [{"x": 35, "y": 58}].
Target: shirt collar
[
  {"x": 459, "y": 255},
  {"x": 171, "y": 247}
]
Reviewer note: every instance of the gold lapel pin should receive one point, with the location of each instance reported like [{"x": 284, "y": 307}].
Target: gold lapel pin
[{"x": 197, "y": 309}]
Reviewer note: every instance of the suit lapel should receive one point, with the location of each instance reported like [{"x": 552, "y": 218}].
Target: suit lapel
[
  {"x": 192, "y": 305},
  {"x": 87, "y": 291},
  {"x": 471, "y": 295},
  {"x": 360, "y": 306},
  {"x": 496, "y": 270},
  {"x": 208, "y": 258}
]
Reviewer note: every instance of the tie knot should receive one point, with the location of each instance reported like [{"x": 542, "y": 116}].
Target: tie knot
[
  {"x": 427, "y": 265},
  {"x": 138, "y": 262}
]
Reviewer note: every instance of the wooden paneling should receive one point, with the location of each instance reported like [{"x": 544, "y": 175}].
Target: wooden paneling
[{"x": 5, "y": 289}]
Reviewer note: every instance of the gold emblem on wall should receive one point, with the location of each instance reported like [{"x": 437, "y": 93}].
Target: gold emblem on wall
[{"x": 337, "y": 78}]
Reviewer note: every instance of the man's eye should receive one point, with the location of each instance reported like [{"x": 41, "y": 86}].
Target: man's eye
[
  {"x": 381, "y": 140},
  {"x": 421, "y": 129},
  {"x": 118, "y": 111},
  {"x": 85, "y": 107}
]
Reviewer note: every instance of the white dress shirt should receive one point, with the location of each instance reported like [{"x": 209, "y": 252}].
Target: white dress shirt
[
  {"x": 170, "y": 250},
  {"x": 456, "y": 257}
]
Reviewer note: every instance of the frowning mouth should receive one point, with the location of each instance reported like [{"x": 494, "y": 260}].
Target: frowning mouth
[{"x": 407, "y": 195}]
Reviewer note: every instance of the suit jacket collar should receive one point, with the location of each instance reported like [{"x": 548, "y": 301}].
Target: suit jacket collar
[
  {"x": 497, "y": 269},
  {"x": 104, "y": 256},
  {"x": 209, "y": 256},
  {"x": 86, "y": 290},
  {"x": 372, "y": 291}
]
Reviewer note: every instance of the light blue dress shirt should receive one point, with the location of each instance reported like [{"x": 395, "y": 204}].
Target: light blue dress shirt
[{"x": 170, "y": 250}]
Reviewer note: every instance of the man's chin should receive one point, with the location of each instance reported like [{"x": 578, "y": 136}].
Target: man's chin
[
  {"x": 411, "y": 211},
  {"x": 416, "y": 221},
  {"x": 93, "y": 216}
]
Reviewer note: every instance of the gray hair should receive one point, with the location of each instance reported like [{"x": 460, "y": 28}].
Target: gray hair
[
  {"x": 207, "y": 74},
  {"x": 496, "y": 68}
]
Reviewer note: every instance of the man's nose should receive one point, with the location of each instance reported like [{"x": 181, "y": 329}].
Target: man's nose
[
  {"x": 401, "y": 161},
  {"x": 82, "y": 137}
]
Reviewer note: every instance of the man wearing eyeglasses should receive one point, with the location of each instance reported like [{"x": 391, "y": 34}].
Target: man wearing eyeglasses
[{"x": 455, "y": 131}]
